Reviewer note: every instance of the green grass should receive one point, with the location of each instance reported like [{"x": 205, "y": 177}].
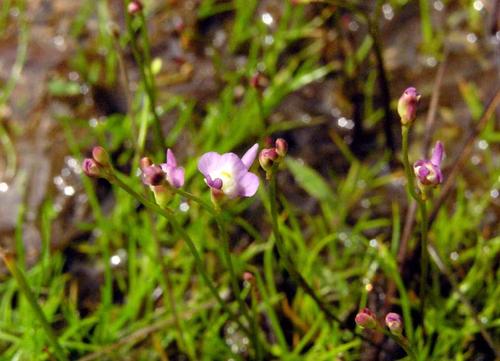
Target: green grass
[{"x": 341, "y": 228}]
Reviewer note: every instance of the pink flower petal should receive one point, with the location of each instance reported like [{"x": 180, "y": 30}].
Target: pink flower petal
[
  {"x": 250, "y": 155},
  {"x": 248, "y": 185}
]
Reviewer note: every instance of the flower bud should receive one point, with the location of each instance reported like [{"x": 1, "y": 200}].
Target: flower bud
[
  {"x": 134, "y": 7},
  {"x": 394, "y": 322},
  {"x": 259, "y": 81},
  {"x": 366, "y": 319},
  {"x": 101, "y": 156},
  {"x": 248, "y": 276},
  {"x": 91, "y": 168},
  {"x": 281, "y": 147},
  {"x": 267, "y": 157},
  {"x": 407, "y": 106},
  {"x": 145, "y": 162}
]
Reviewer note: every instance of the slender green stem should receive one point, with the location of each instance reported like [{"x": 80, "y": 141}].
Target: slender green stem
[
  {"x": 30, "y": 296},
  {"x": 169, "y": 215},
  {"x": 234, "y": 284},
  {"x": 410, "y": 183},
  {"x": 424, "y": 262},
  {"x": 424, "y": 255},
  {"x": 143, "y": 60},
  {"x": 401, "y": 341}
]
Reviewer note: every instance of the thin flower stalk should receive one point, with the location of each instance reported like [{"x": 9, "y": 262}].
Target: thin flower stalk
[
  {"x": 407, "y": 110},
  {"x": 143, "y": 59}
]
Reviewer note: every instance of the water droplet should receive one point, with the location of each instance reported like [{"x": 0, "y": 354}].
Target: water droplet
[
  {"x": 65, "y": 172},
  {"x": 471, "y": 38},
  {"x": 373, "y": 243},
  {"x": 267, "y": 19},
  {"x": 484, "y": 319},
  {"x": 84, "y": 89},
  {"x": 92, "y": 122},
  {"x": 454, "y": 256},
  {"x": 345, "y": 123},
  {"x": 475, "y": 160},
  {"x": 58, "y": 181},
  {"x": 14, "y": 12},
  {"x": 388, "y": 12},
  {"x": 71, "y": 162},
  {"x": 431, "y": 62},
  {"x": 482, "y": 144},
  {"x": 305, "y": 118},
  {"x": 69, "y": 191},
  {"x": 478, "y": 5},
  {"x": 365, "y": 203},
  {"x": 115, "y": 260},
  {"x": 268, "y": 39},
  {"x": 184, "y": 207},
  {"x": 4, "y": 187},
  {"x": 494, "y": 193},
  {"x": 438, "y": 5},
  {"x": 59, "y": 42},
  {"x": 73, "y": 76},
  {"x": 353, "y": 25},
  {"x": 335, "y": 112}
]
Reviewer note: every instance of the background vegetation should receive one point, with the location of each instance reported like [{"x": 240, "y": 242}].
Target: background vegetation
[{"x": 114, "y": 280}]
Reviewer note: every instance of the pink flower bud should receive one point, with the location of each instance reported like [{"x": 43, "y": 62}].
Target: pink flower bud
[
  {"x": 267, "y": 157},
  {"x": 145, "y": 162},
  {"x": 101, "y": 156},
  {"x": 134, "y": 7},
  {"x": 91, "y": 168},
  {"x": 407, "y": 106},
  {"x": 366, "y": 319},
  {"x": 394, "y": 322},
  {"x": 259, "y": 81},
  {"x": 281, "y": 147},
  {"x": 248, "y": 276}
]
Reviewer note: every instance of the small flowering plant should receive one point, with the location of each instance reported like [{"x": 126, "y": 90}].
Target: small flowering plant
[{"x": 227, "y": 174}]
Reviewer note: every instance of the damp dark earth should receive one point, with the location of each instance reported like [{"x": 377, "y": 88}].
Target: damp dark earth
[{"x": 249, "y": 180}]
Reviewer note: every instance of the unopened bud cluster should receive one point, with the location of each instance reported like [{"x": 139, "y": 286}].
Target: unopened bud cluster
[
  {"x": 367, "y": 319},
  {"x": 269, "y": 157},
  {"x": 99, "y": 166}
]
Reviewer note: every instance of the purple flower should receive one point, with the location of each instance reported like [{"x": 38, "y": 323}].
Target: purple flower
[
  {"x": 175, "y": 174},
  {"x": 407, "y": 105},
  {"x": 155, "y": 175},
  {"x": 229, "y": 174},
  {"x": 394, "y": 322},
  {"x": 428, "y": 172},
  {"x": 91, "y": 168}
]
